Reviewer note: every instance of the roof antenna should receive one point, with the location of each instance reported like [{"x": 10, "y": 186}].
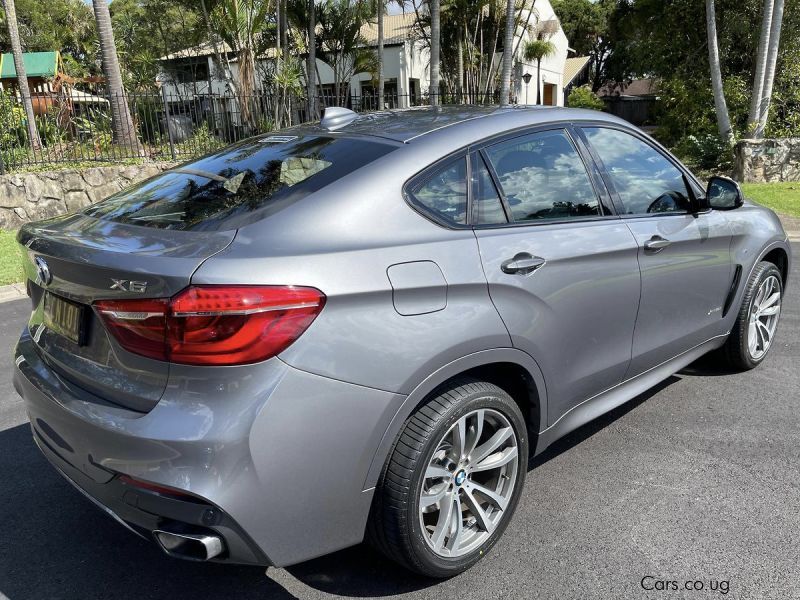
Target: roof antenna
[{"x": 336, "y": 117}]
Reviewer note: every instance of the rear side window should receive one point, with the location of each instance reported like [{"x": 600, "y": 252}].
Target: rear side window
[
  {"x": 444, "y": 193},
  {"x": 239, "y": 184},
  {"x": 543, "y": 177}
]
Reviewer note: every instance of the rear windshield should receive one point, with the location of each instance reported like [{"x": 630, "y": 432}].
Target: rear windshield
[{"x": 239, "y": 184}]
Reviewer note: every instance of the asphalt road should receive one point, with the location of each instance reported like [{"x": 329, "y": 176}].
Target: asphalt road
[{"x": 696, "y": 480}]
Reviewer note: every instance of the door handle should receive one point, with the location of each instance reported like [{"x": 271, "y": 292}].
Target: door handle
[
  {"x": 656, "y": 243},
  {"x": 522, "y": 264}
]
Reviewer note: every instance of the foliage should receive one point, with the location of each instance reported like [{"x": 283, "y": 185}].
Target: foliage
[
  {"x": 584, "y": 97},
  {"x": 145, "y": 30},
  {"x": 65, "y": 25},
  {"x": 12, "y": 122},
  {"x": 587, "y": 25},
  {"x": 782, "y": 197},
  {"x": 10, "y": 259}
]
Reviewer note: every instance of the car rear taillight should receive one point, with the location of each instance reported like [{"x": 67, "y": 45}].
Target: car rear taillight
[{"x": 213, "y": 325}]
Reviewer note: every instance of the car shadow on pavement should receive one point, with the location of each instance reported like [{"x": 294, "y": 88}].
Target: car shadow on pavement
[
  {"x": 574, "y": 438},
  {"x": 56, "y": 544}
]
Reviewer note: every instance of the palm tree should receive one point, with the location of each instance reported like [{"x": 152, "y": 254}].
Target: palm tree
[
  {"x": 721, "y": 106},
  {"x": 311, "y": 64},
  {"x": 380, "y": 54},
  {"x": 772, "y": 61},
  {"x": 761, "y": 66},
  {"x": 538, "y": 49},
  {"x": 508, "y": 54},
  {"x": 436, "y": 15},
  {"x": 123, "y": 131},
  {"x": 22, "y": 78}
]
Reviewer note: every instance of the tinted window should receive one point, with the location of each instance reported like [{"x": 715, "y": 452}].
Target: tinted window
[
  {"x": 239, "y": 184},
  {"x": 643, "y": 177},
  {"x": 487, "y": 208},
  {"x": 543, "y": 177},
  {"x": 445, "y": 192}
]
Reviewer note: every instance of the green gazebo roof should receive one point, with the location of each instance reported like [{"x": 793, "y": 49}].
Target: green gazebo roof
[{"x": 37, "y": 64}]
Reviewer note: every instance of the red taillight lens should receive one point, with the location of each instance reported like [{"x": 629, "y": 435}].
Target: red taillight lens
[{"x": 214, "y": 325}]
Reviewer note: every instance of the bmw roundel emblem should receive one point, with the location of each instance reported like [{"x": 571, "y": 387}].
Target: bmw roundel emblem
[
  {"x": 43, "y": 275},
  {"x": 460, "y": 477}
]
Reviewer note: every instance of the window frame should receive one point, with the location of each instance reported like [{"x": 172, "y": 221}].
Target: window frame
[{"x": 619, "y": 206}]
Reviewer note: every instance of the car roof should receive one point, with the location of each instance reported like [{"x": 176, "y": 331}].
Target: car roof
[{"x": 407, "y": 125}]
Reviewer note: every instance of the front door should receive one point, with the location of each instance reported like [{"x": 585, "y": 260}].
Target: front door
[
  {"x": 684, "y": 258},
  {"x": 563, "y": 274}
]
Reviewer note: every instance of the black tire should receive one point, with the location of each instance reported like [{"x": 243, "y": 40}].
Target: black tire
[
  {"x": 735, "y": 351},
  {"x": 395, "y": 527}
]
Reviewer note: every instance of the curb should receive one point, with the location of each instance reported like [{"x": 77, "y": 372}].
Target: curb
[{"x": 15, "y": 291}]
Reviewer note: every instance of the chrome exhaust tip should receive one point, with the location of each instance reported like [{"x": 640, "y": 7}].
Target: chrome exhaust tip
[{"x": 189, "y": 546}]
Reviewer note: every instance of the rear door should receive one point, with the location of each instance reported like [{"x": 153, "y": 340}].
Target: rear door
[
  {"x": 684, "y": 256},
  {"x": 562, "y": 269}
]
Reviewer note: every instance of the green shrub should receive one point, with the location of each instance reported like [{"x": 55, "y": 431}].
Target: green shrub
[{"x": 584, "y": 97}]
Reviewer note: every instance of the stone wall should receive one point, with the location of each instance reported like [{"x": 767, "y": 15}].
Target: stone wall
[
  {"x": 33, "y": 196},
  {"x": 760, "y": 161}
]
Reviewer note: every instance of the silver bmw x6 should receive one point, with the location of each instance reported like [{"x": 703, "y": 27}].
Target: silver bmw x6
[{"x": 363, "y": 328}]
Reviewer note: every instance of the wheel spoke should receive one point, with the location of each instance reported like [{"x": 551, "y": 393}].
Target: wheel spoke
[
  {"x": 768, "y": 312},
  {"x": 492, "y": 444},
  {"x": 752, "y": 338},
  {"x": 431, "y": 498},
  {"x": 459, "y": 437},
  {"x": 770, "y": 301},
  {"x": 496, "y": 499},
  {"x": 475, "y": 433},
  {"x": 765, "y": 334},
  {"x": 434, "y": 471},
  {"x": 477, "y": 511},
  {"x": 496, "y": 460},
  {"x": 458, "y": 525},
  {"x": 444, "y": 523}
]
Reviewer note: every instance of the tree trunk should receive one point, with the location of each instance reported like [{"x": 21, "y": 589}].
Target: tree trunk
[
  {"x": 435, "y": 7},
  {"x": 761, "y": 66},
  {"x": 460, "y": 67},
  {"x": 380, "y": 55},
  {"x": 720, "y": 105},
  {"x": 123, "y": 131},
  {"x": 538, "y": 81},
  {"x": 772, "y": 62},
  {"x": 22, "y": 78},
  {"x": 284, "y": 25},
  {"x": 311, "y": 68},
  {"x": 508, "y": 53}
]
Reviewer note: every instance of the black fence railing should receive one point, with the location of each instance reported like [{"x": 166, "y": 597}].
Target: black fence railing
[{"x": 76, "y": 127}]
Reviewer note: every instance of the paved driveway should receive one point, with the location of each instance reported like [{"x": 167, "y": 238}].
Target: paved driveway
[{"x": 696, "y": 480}]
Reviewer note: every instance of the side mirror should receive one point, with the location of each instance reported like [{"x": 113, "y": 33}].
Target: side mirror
[{"x": 724, "y": 194}]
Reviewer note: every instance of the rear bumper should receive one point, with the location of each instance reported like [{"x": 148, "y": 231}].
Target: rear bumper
[{"x": 275, "y": 457}]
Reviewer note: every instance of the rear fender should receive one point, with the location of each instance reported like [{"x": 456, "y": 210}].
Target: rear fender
[{"x": 443, "y": 374}]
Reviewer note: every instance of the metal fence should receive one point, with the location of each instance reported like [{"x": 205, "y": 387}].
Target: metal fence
[{"x": 75, "y": 127}]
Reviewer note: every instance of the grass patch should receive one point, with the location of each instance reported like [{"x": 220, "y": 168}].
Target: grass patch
[
  {"x": 780, "y": 197},
  {"x": 10, "y": 261}
]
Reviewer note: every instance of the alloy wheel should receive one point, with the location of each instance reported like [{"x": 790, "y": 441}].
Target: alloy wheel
[
  {"x": 468, "y": 483},
  {"x": 764, "y": 313}
]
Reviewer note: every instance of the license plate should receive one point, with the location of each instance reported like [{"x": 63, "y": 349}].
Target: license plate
[{"x": 63, "y": 317}]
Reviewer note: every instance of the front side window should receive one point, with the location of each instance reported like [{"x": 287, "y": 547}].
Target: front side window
[
  {"x": 646, "y": 182},
  {"x": 543, "y": 177},
  {"x": 241, "y": 183},
  {"x": 444, "y": 193}
]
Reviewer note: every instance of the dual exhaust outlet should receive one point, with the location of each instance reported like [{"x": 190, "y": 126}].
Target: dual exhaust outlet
[{"x": 189, "y": 546}]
